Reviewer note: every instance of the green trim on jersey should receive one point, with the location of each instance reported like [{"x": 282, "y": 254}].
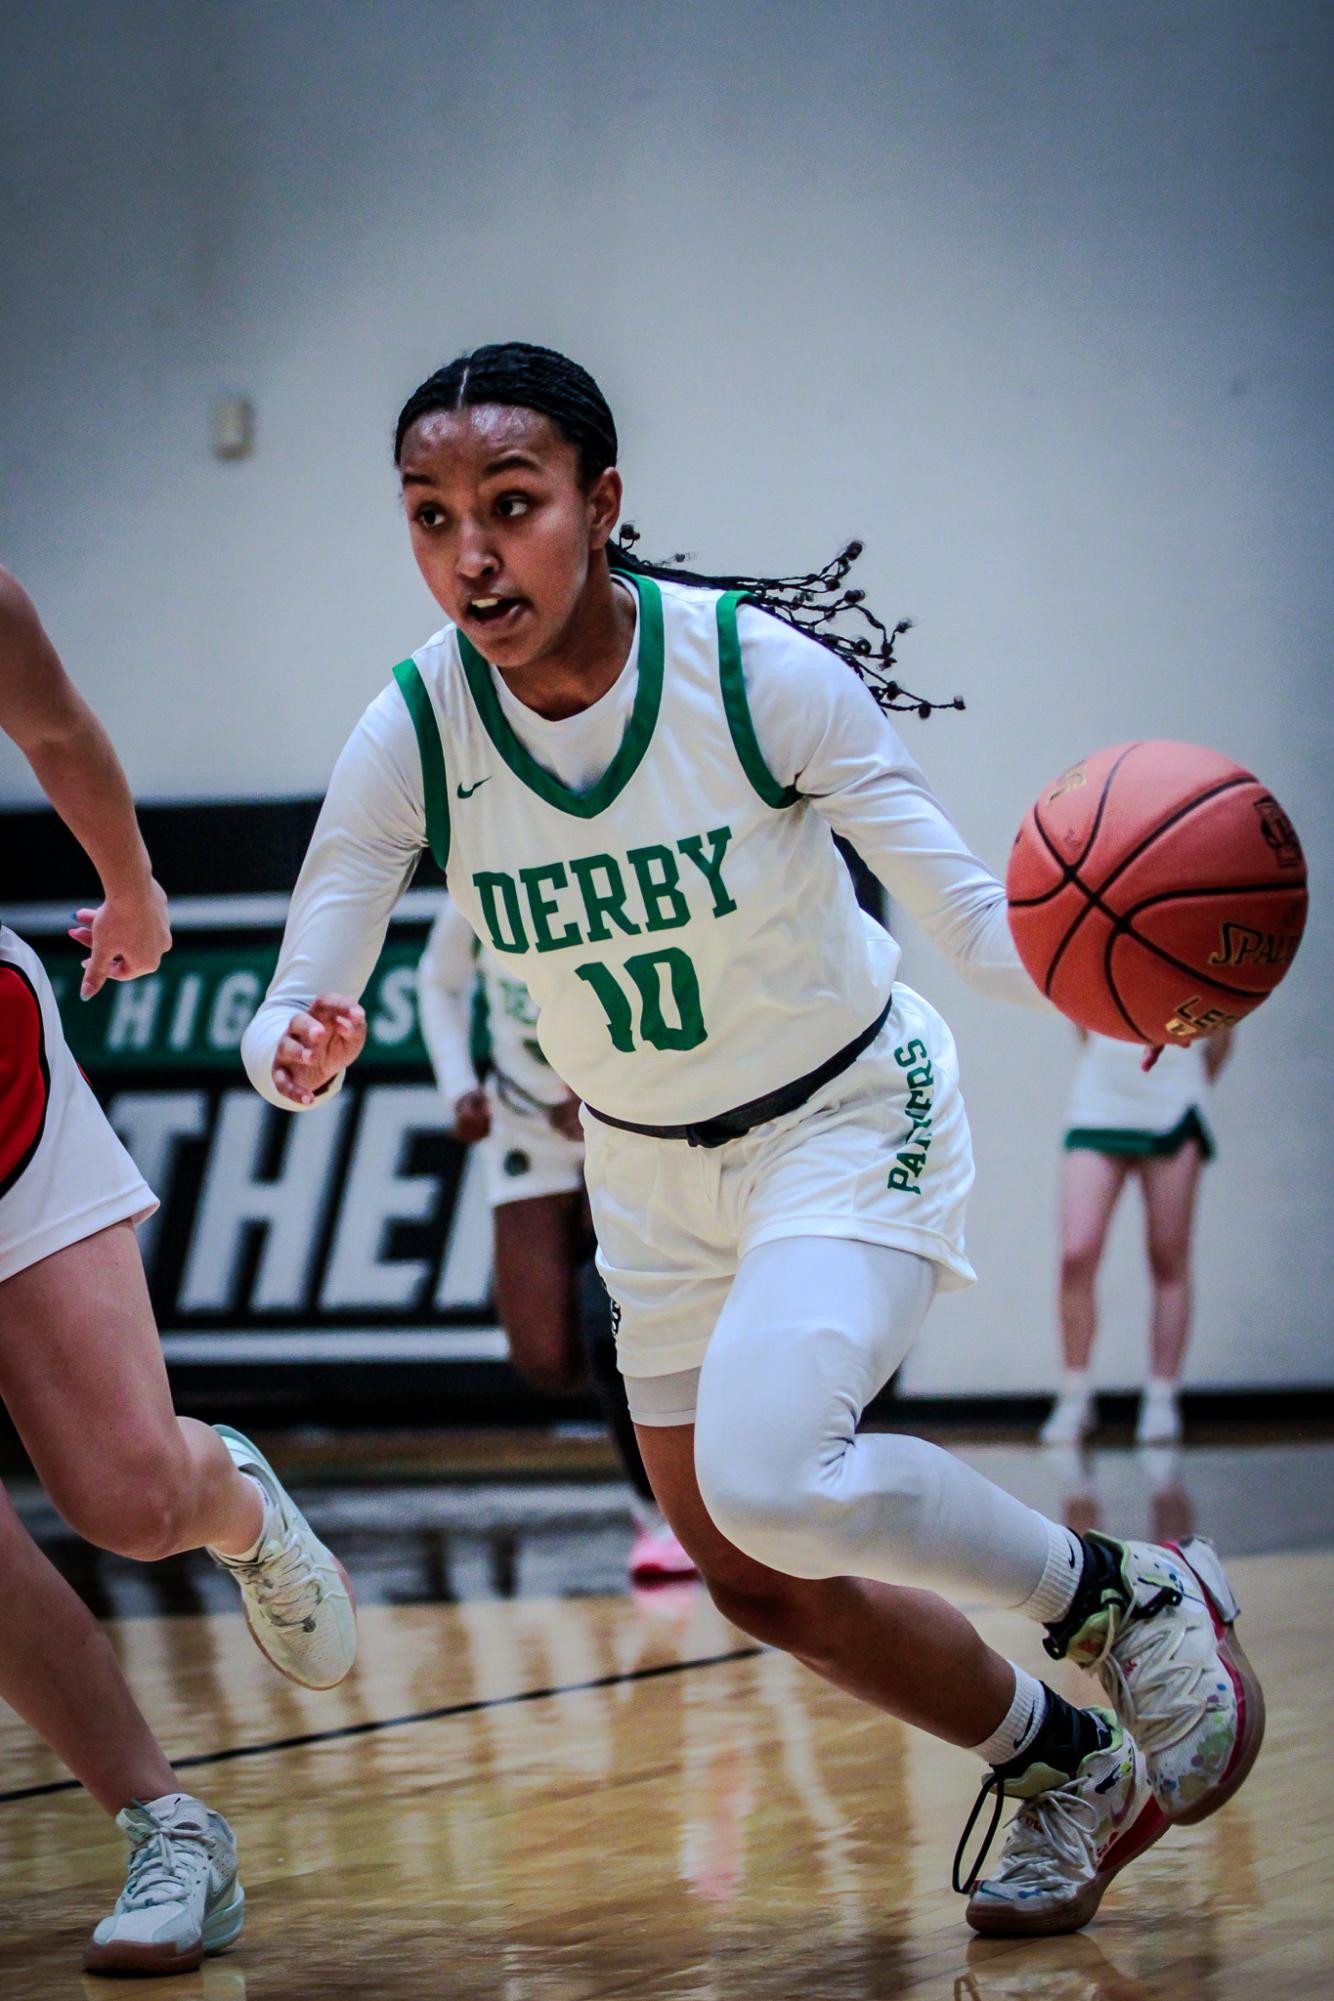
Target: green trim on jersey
[
  {"x": 435, "y": 786},
  {"x": 737, "y": 708},
  {"x": 639, "y": 729}
]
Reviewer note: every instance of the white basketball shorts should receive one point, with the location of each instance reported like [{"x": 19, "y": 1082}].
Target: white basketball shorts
[
  {"x": 524, "y": 1156},
  {"x": 881, "y": 1155},
  {"x": 63, "y": 1173}
]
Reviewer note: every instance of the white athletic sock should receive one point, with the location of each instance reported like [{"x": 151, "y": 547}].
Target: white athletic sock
[
  {"x": 266, "y": 1505},
  {"x": 1161, "y": 1389},
  {"x": 1020, "y": 1723},
  {"x": 1075, "y": 1386},
  {"x": 1055, "y": 1592}
]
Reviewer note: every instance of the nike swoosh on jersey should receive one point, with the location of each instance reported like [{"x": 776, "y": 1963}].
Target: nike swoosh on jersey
[{"x": 466, "y": 791}]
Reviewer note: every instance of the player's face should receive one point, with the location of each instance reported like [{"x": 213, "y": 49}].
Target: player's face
[{"x": 504, "y": 534}]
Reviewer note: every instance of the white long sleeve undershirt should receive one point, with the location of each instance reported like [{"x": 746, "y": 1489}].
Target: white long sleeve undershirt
[
  {"x": 446, "y": 976},
  {"x": 818, "y": 729}
]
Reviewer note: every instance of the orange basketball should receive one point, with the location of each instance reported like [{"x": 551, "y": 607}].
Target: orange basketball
[{"x": 1157, "y": 892}]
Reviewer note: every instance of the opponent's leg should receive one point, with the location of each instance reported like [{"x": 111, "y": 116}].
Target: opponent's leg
[
  {"x": 82, "y": 1374},
  {"x": 1091, "y": 1184},
  {"x": 59, "y": 1673},
  {"x": 1170, "y": 1186}
]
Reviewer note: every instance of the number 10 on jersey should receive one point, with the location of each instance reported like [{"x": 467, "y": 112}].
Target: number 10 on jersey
[{"x": 650, "y": 973}]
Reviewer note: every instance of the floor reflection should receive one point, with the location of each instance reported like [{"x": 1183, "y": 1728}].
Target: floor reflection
[{"x": 455, "y": 1541}]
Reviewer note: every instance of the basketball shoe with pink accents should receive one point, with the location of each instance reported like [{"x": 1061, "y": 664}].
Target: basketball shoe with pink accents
[{"x": 1156, "y": 1624}]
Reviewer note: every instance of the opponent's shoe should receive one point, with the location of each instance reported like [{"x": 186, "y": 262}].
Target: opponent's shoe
[
  {"x": 1155, "y": 1622},
  {"x": 1073, "y": 1834},
  {"x": 657, "y": 1556},
  {"x": 1069, "y": 1422},
  {"x": 297, "y": 1595},
  {"x": 182, "y": 1897}
]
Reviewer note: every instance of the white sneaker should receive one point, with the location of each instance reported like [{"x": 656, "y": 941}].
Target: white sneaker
[
  {"x": 1067, "y": 1842},
  {"x": 1159, "y": 1421},
  {"x": 1071, "y": 1420},
  {"x": 181, "y": 1897},
  {"x": 298, "y": 1597},
  {"x": 1163, "y": 1645}
]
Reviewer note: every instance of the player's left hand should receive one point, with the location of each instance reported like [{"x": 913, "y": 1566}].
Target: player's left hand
[
  {"x": 127, "y": 936},
  {"x": 565, "y": 1117}
]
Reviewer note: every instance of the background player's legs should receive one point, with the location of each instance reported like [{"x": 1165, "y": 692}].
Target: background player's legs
[
  {"x": 537, "y": 1246},
  {"x": 59, "y": 1673},
  {"x": 557, "y": 1319},
  {"x": 1170, "y": 1186},
  {"x": 82, "y": 1374},
  {"x": 1091, "y": 1184}
]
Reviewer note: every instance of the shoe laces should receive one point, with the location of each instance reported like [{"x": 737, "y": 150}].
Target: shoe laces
[
  {"x": 284, "y": 1580},
  {"x": 1161, "y": 1705},
  {"x": 166, "y": 1863},
  {"x": 1052, "y": 1837}
]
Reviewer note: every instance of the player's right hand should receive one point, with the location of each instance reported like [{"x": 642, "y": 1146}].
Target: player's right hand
[
  {"x": 319, "y": 1044},
  {"x": 472, "y": 1117},
  {"x": 126, "y": 935}
]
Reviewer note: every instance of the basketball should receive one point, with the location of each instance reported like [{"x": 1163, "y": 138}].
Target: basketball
[{"x": 1157, "y": 892}]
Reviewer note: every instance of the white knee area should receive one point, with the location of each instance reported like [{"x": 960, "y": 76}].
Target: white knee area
[
  {"x": 792, "y": 1498},
  {"x": 813, "y": 1328}
]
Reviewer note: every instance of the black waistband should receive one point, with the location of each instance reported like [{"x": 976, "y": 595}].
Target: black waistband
[{"x": 742, "y": 1118}]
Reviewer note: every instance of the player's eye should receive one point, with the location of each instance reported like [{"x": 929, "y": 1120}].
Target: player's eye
[
  {"x": 511, "y": 506},
  {"x": 427, "y": 514}
]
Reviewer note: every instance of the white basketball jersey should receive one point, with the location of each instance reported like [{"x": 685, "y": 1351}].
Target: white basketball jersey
[
  {"x": 686, "y": 927},
  {"x": 505, "y": 1031}
]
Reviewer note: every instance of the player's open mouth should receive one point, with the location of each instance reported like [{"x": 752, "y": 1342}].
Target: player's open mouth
[{"x": 493, "y": 612}]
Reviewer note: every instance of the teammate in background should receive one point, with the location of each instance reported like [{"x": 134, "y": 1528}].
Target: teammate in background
[
  {"x": 82, "y": 1375},
  {"x": 1124, "y": 1120},
  {"x": 630, "y": 775},
  {"x": 479, "y": 1023}
]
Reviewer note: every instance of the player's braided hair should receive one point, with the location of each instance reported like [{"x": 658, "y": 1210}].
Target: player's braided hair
[{"x": 818, "y": 604}]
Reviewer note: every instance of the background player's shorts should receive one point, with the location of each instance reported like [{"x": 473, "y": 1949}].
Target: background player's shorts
[
  {"x": 881, "y": 1155},
  {"x": 525, "y": 1156},
  {"x": 63, "y": 1173}
]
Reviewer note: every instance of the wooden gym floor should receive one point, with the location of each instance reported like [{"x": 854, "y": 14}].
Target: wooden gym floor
[{"x": 528, "y": 1796}]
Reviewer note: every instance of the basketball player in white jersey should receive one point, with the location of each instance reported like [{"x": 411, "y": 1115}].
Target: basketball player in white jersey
[
  {"x": 479, "y": 1024},
  {"x": 1123, "y": 1120},
  {"x": 82, "y": 1375},
  {"x": 632, "y": 780}
]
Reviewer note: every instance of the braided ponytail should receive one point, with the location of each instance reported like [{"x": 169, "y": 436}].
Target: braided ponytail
[{"x": 539, "y": 378}]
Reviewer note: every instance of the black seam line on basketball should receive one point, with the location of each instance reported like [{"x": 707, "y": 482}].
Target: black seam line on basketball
[
  {"x": 447, "y": 1710},
  {"x": 1070, "y": 869},
  {"x": 1114, "y": 991},
  {"x": 1125, "y": 928},
  {"x": 1095, "y": 896}
]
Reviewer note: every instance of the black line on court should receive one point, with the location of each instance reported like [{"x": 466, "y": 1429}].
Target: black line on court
[{"x": 417, "y": 1716}]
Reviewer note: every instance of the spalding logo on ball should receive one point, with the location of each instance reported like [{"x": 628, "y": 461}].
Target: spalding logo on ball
[{"x": 1157, "y": 892}]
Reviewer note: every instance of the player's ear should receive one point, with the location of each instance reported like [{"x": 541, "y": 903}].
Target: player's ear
[{"x": 604, "y": 507}]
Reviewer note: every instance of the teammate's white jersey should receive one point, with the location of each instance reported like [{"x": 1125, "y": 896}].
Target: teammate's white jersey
[
  {"x": 1112, "y": 1093},
  {"x": 475, "y": 1012},
  {"x": 684, "y": 922}
]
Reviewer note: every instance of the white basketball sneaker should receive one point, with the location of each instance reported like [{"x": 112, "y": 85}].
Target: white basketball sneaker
[
  {"x": 181, "y": 1898},
  {"x": 1069, "y": 1839},
  {"x": 297, "y": 1595},
  {"x": 1156, "y": 1623}
]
